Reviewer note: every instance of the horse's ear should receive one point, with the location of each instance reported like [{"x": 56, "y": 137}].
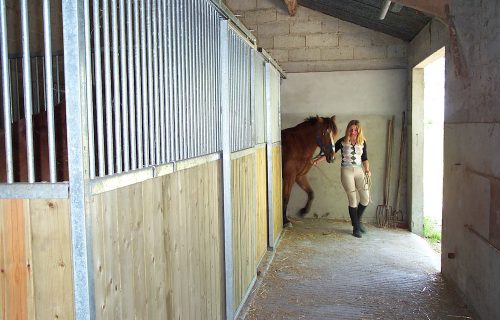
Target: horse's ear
[
  {"x": 333, "y": 118},
  {"x": 319, "y": 119}
]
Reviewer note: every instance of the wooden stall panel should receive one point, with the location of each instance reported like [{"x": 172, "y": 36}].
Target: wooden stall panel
[
  {"x": 158, "y": 248},
  {"x": 193, "y": 243},
  {"x": 277, "y": 192},
  {"x": 14, "y": 259},
  {"x": 244, "y": 226},
  {"x": 52, "y": 261},
  {"x": 261, "y": 203},
  {"x": 35, "y": 260}
]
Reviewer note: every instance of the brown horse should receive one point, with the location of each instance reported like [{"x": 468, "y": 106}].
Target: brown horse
[
  {"x": 298, "y": 145},
  {"x": 40, "y": 147}
]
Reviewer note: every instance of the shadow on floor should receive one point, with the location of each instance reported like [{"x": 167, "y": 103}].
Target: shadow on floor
[{"x": 320, "y": 271}]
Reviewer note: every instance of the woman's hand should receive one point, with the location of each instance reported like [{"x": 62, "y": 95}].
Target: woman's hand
[{"x": 368, "y": 173}]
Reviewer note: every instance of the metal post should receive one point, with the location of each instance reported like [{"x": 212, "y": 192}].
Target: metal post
[
  {"x": 226, "y": 167},
  {"x": 269, "y": 156},
  {"x": 6, "y": 95},
  {"x": 116, "y": 89},
  {"x": 28, "y": 108},
  {"x": 98, "y": 89},
  {"x": 124, "y": 93},
  {"x": 76, "y": 117},
  {"x": 131, "y": 86},
  {"x": 90, "y": 106}
]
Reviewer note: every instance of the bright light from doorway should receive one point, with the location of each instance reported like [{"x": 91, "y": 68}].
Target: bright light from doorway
[{"x": 433, "y": 146}]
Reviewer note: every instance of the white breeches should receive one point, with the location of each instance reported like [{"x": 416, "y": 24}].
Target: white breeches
[{"x": 352, "y": 179}]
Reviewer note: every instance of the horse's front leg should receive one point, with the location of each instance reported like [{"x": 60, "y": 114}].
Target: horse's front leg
[
  {"x": 304, "y": 185},
  {"x": 287, "y": 190}
]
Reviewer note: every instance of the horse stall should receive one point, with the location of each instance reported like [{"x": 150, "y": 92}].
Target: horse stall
[{"x": 140, "y": 165}]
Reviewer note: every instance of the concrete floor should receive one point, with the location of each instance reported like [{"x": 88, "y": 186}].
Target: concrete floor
[{"x": 320, "y": 271}]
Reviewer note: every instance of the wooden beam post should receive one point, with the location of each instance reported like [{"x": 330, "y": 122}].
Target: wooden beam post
[{"x": 292, "y": 6}]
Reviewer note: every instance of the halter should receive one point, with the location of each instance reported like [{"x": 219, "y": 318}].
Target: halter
[{"x": 323, "y": 148}]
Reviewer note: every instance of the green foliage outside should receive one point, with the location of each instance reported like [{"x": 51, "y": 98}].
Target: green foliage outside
[{"x": 431, "y": 232}]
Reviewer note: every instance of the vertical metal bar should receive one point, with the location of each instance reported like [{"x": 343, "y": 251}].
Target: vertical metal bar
[
  {"x": 150, "y": 84},
  {"x": 205, "y": 84},
  {"x": 125, "y": 110},
  {"x": 98, "y": 89},
  {"x": 164, "y": 67},
  {"x": 178, "y": 84},
  {"x": 131, "y": 86},
  {"x": 172, "y": 82},
  {"x": 107, "y": 87},
  {"x": 252, "y": 97},
  {"x": 226, "y": 168},
  {"x": 203, "y": 53},
  {"x": 182, "y": 88},
  {"x": 161, "y": 88},
  {"x": 116, "y": 90},
  {"x": 74, "y": 63},
  {"x": 195, "y": 87},
  {"x": 28, "y": 108},
  {"x": 217, "y": 103},
  {"x": 269, "y": 156},
  {"x": 90, "y": 100},
  {"x": 193, "y": 92},
  {"x": 187, "y": 78},
  {"x": 190, "y": 84},
  {"x": 155, "y": 83},
  {"x": 138, "y": 81},
  {"x": 6, "y": 95},
  {"x": 144, "y": 84}
]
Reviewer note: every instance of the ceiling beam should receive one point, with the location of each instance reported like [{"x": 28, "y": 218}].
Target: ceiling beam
[
  {"x": 292, "y": 6},
  {"x": 435, "y": 7}
]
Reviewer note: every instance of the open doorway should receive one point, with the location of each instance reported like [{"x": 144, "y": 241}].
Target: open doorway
[
  {"x": 433, "y": 150},
  {"x": 427, "y": 147}
]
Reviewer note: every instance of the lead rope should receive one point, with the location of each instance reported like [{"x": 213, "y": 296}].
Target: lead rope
[{"x": 367, "y": 185}]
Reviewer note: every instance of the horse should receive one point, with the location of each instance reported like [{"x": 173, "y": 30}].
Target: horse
[
  {"x": 298, "y": 145},
  {"x": 40, "y": 147}
]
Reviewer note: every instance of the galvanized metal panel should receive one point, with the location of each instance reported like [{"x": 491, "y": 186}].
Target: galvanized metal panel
[{"x": 259, "y": 96}]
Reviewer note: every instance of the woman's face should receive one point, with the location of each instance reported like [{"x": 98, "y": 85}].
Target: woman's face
[{"x": 353, "y": 130}]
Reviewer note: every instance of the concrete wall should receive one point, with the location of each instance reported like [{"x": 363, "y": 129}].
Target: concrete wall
[
  {"x": 471, "y": 203},
  {"x": 371, "y": 96},
  {"x": 311, "y": 41}
]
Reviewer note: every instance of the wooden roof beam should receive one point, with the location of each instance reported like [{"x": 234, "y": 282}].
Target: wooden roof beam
[
  {"x": 435, "y": 8},
  {"x": 292, "y": 6}
]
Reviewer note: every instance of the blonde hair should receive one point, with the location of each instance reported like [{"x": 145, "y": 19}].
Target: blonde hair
[{"x": 361, "y": 137}]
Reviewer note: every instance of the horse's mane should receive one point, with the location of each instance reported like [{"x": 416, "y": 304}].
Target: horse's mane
[{"x": 311, "y": 120}]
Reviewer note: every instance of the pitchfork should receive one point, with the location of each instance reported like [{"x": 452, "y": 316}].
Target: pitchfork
[{"x": 384, "y": 210}]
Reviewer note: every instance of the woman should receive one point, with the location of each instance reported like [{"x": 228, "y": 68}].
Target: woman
[{"x": 353, "y": 171}]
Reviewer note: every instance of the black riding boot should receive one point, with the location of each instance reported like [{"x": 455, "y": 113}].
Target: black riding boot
[
  {"x": 361, "y": 210},
  {"x": 353, "y": 213}
]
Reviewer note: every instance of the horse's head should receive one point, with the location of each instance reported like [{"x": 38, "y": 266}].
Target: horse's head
[{"x": 327, "y": 131}]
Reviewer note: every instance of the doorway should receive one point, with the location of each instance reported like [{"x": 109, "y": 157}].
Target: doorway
[{"x": 427, "y": 147}]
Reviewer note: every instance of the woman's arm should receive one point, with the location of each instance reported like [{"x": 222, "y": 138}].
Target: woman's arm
[{"x": 366, "y": 167}]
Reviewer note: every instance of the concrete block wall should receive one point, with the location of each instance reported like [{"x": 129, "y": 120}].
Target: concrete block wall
[
  {"x": 311, "y": 41},
  {"x": 471, "y": 182}
]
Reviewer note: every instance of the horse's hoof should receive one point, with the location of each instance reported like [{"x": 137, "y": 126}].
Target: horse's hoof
[
  {"x": 303, "y": 211},
  {"x": 287, "y": 223}
]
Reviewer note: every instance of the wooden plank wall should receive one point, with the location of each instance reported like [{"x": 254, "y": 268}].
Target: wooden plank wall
[
  {"x": 277, "y": 193},
  {"x": 244, "y": 226},
  {"x": 261, "y": 202},
  {"x": 35, "y": 260},
  {"x": 158, "y": 250}
]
